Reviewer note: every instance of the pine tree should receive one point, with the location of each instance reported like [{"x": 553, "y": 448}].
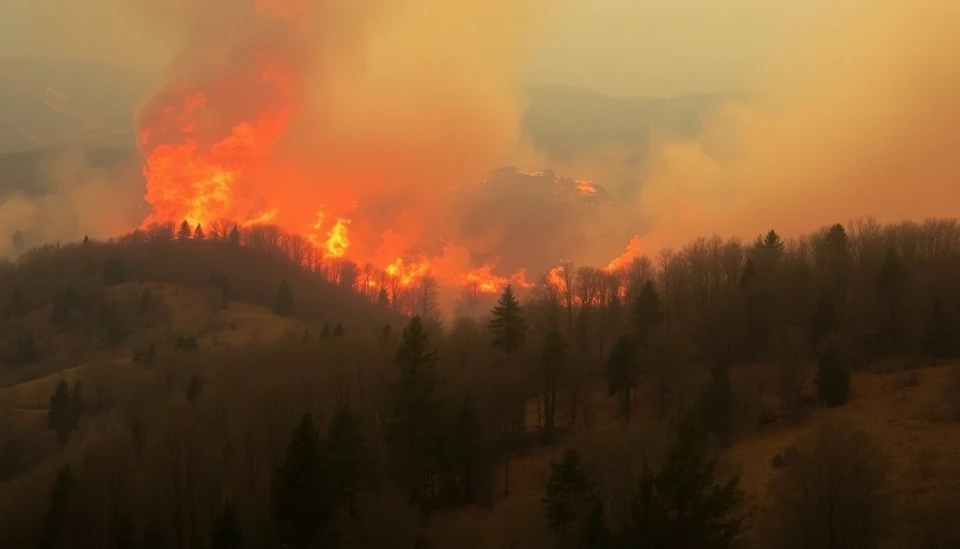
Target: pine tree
[
  {"x": 508, "y": 328},
  {"x": 833, "y": 379},
  {"x": 302, "y": 499},
  {"x": 64, "y": 410},
  {"x": 234, "y": 237},
  {"x": 413, "y": 403},
  {"x": 681, "y": 505},
  {"x": 185, "y": 232},
  {"x": 568, "y": 493},
  {"x": 283, "y": 300},
  {"x": 114, "y": 272},
  {"x": 553, "y": 360},
  {"x": 621, "y": 367},
  {"x": 646, "y": 313},
  {"x": 939, "y": 337},
  {"x": 226, "y": 530},
  {"x": 198, "y": 233},
  {"x": 769, "y": 249},
  {"x": 62, "y": 487},
  {"x": 348, "y": 451}
]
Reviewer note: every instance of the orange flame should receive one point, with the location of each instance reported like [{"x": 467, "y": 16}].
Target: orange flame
[
  {"x": 337, "y": 242},
  {"x": 633, "y": 250}
]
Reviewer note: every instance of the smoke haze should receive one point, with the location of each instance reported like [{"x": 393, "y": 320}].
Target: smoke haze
[{"x": 860, "y": 118}]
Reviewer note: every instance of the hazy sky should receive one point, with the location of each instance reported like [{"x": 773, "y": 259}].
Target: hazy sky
[{"x": 629, "y": 47}]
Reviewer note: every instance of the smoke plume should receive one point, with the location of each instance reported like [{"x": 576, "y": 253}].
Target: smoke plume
[{"x": 859, "y": 118}]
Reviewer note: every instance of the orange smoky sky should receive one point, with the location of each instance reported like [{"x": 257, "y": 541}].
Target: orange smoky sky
[{"x": 859, "y": 117}]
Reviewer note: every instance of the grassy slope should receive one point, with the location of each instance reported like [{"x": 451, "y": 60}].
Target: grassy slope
[{"x": 921, "y": 446}]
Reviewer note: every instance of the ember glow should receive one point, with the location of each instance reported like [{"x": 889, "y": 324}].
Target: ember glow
[{"x": 216, "y": 146}]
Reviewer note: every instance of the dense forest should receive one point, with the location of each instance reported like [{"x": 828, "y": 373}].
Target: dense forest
[{"x": 596, "y": 409}]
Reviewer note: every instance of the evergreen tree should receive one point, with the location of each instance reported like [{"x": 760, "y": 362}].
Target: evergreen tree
[
  {"x": 114, "y": 272},
  {"x": 824, "y": 319},
  {"x": 621, "y": 367},
  {"x": 413, "y": 403},
  {"x": 86, "y": 241},
  {"x": 185, "y": 232},
  {"x": 198, "y": 233},
  {"x": 568, "y": 494},
  {"x": 234, "y": 237},
  {"x": 553, "y": 360},
  {"x": 338, "y": 330},
  {"x": 939, "y": 336},
  {"x": 64, "y": 411},
  {"x": 718, "y": 404},
  {"x": 302, "y": 499},
  {"x": 834, "y": 257},
  {"x": 283, "y": 300},
  {"x": 833, "y": 379},
  {"x": 681, "y": 505},
  {"x": 508, "y": 328},
  {"x": 62, "y": 487},
  {"x": 348, "y": 455},
  {"x": 226, "y": 530},
  {"x": 646, "y": 313},
  {"x": 769, "y": 249}
]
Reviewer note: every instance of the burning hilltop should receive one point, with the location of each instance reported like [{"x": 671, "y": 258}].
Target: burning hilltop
[{"x": 238, "y": 137}]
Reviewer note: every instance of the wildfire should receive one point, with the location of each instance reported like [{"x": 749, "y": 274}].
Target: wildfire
[
  {"x": 337, "y": 241},
  {"x": 633, "y": 250},
  {"x": 210, "y": 142}
]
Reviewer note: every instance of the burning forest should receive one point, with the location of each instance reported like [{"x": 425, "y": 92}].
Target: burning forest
[{"x": 225, "y": 144}]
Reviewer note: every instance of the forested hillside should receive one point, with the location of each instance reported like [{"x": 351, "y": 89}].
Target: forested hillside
[{"x": 226, "y": 388}]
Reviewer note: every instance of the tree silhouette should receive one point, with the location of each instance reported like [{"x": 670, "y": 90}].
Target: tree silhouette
[
  {"x": 769, "y": 249},
  {"x": 413, "y": 403},
  {"x": 185, "y": 232},
  {"x": 302, "y": 499},
  {"x": 553, "y": 360},
  {"x": 833, "y": 379},
  {"x": 234, "y": 237},
  {"x": 114, "y": 272},
  {"x": 568, "y": 494},
  {"x": 621, "y": 367},
  {"x": 681, "y": 505},
  {"x": 62, "y": 488},
  {"x": 348, "y": 456},
  {"x": 146, "y": 301},
  {"x": 646, "y": 313},
  {"x": 219, "y": 280},
  {"x": 283, "y": 300},
  {"x": 507, "y": 327},
  {"x": 17, "y": 242},
  {"x": 338, "y": 330},
  {"x": 198, "y": 233},
  {"x": 64, "y": 410}
]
